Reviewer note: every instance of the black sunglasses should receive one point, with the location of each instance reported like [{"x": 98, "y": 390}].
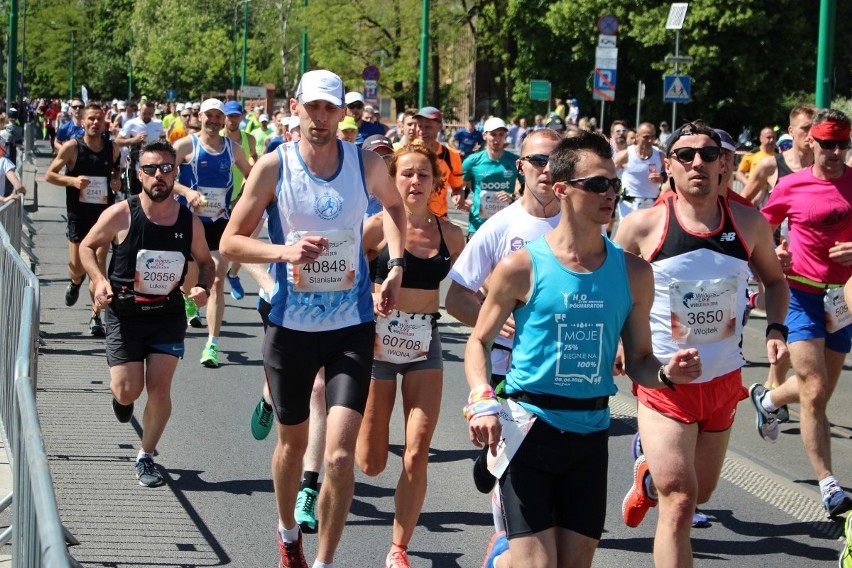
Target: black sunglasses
[
  {"x": 833, "y": 144},
  {"x": 355, "y": 105},
  {"x": 185, "y": 115},
  {"x": 537, "y": 160},
  {"x": 597, "y": 184},
  {"x": 687, "y": 155},
  {"x": 76, "y": 106},
  {"x": 151, "y": 169}
]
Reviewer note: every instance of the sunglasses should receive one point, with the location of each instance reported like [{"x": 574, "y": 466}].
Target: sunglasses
[
  {"x": 620, "y": 131},
  {"x": 77, "y": 106},
  {"x": 151, "y": 169},
  {"x": 687, "y": 155},
  {"x": 355, "y": 105},
  {"x": 833, "y": 144},
  {"x": 185, "y": 115},
  {"x": 598, "y": 184},
  {"x": 537, "y": 160}
]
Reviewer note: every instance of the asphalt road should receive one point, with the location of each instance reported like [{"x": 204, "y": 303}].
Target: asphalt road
[{"x": 218, "y": 506}]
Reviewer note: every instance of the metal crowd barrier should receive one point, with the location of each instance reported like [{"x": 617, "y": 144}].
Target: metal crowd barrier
[{"x": 36, "y": 532}]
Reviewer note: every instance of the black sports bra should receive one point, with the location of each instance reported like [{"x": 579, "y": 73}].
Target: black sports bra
[{"x": 420, "y": 273}]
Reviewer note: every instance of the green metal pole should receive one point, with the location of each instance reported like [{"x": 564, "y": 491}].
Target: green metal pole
[
  {"x": 234, "y": 43},
  {"x": 130, "y": 69},
  {"x": 303, "y": 64},
  {"x": 245, "y": 42},
  {"x": 424, "y": 54},
  {"x": 825, "y": 53},
  {"x": 12, "y": 61},
  {"x": 71, "y": 94}
]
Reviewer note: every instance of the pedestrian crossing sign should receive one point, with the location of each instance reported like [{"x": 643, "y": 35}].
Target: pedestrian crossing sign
[{"x": 677, "y": 88}]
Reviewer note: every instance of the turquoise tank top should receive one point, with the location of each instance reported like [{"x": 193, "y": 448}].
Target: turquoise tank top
[{"x": 567, "y": 335}]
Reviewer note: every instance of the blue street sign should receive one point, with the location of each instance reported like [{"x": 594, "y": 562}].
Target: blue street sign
[
  {"x": 171, "y": 95},
  {"x": 677, "y": 88},
  {"x": 605, "y": 79}
]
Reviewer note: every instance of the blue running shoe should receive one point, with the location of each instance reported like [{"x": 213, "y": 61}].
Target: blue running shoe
[
  {"x": 836, "y": 502},
  {"x": 699, "y": 520},
  {"x": 496, "y": 546},
  {"x": 636, "y": 447},
  {"x": 237, "y": 291},
  {"x": 765, "y": 421}
]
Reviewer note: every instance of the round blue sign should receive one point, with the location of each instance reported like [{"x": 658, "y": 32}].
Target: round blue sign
[
  {"x": 370, "y": 73},
  {"x": 608, "y": 25}
]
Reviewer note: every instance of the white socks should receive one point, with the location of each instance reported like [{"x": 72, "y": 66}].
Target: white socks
[
  {"x": 142, "y": 454},
  {"x": 288, "y": 535}
]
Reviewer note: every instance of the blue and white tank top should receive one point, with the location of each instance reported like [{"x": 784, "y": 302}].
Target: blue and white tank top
[
  {"x": 210, "y": 174},
  {"x": 700, "y": 282},
  {"x": 567, "y": 335},
  {"x": 334, "y": 291}
]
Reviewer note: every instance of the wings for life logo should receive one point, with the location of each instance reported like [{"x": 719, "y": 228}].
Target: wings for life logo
[
  {"x": 702, "y": 298},
  {"x": 159, "y": 263},
  {"x": 328, "y": 206}
]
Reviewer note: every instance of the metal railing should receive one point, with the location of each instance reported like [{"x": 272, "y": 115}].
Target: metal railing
[{"x": 36, "y": 531}]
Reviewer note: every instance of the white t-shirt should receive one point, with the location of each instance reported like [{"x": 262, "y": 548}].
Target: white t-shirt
[
  {"x": 504, "y": 233},
  {"x": 134, "y": 126}
]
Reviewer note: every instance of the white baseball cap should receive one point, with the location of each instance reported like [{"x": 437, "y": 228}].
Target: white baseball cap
[
  {"x": 294, "y": 123},
  {"x": 493, "y": 123},
  {"x": 320, "y": 85},
  {"x": 178, "y": 107},
  {"x": 213, "y": 104},
  {"x": 354, "y": 97},
  {"x": 264, "y": 118}
]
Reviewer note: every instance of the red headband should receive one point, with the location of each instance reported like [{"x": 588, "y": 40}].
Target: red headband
[{"x": 831, "y": 130}]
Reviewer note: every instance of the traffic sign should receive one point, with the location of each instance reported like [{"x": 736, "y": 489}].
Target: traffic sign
[
  {"x": 604, "y": 85},
  {"x": 677, "y": 88},
  {"x": 371, "y": 92},
  {"x": 608, "y": 24},
  {"x": 679, "y": 59},
  {"x": 371, "y": 73},
  {"x": 606, "y": 57},
  {"x": 171, "y": 94},
  {"x": 605, "y": 40},
  {"x": 539, "y": 90}
]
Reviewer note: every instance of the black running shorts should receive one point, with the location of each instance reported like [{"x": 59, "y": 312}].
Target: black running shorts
[
  {"x": 292, "y": 359},
  {"x": 131, "y": 339},
  {"x": 78, "y": 227},
  {"x": 213, "y": 232},
  {"x": 556, "y": 479}
]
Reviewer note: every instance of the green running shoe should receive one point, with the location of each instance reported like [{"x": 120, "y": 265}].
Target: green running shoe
[
  {"x": 306, "y": 510},
  {"x": 210, "y": 356},
  {"x": 261, "y": 420}
]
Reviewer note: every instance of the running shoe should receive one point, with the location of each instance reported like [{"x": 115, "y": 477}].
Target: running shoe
[
  {"x": 306, "y": 510},
  {"x": 397, "y": 559},
  {"x": 210, "y": 356},
  {"x": 291, "y": 553},
  {"x": 766, "y": 422},
  {"x": 496, "y": 546},
  {"x": 96, "y": 327},
  {"x": 124, "y": 412},
  {"x": 836, "y": 502},
  {"x": 147, "y": 473},
  {"x": 782, "y": 414},
  {"x": 237, "y": 291},
  {"x": 191, "y": 309},
  {"x": 637, "y": 501},
  {"x": 482, "y": 478},
  {"x": 699, "y": 520},
  {"x": 846, "y": 553},
  {"x": 636, "y": 447},
  {"x": 72, "y": 293},
  {"x": 261, "y": 420}
]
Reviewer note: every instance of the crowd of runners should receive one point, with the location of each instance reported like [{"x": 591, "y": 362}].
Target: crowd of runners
[{"x": 585, "y": 256}]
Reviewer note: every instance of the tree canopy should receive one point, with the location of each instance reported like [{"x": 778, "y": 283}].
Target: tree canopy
[{"x": 752, "y": 59}]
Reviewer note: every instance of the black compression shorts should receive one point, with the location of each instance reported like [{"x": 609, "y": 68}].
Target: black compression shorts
[
  {"x": 292, "y": 359},
  {"x": 556, "y": 479}
]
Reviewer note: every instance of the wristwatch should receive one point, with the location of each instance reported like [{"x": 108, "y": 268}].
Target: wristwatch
[
  {"x": 396, "y": 262},
  {"x": 205, "y": 288},
  {"x": 779, "y": 327},
  {"x": 661, "y": 375}
]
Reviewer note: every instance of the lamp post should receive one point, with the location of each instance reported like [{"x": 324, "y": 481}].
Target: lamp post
[
  {"x": 12, "y": 61},
  {"x": 303, "y": 64},
  {"x": 424, "y": 54},
  {"x": 130, "y": 69},
  {"x": 71, "y": 82}
]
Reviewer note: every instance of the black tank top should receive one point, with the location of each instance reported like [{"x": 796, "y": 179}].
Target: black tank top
[
  {"x": 144, "y": 234},
  {"x": 420, "y": 273},
  {"x": 676, "y": 240},
  {"x": 781, "y": 166},
  {"x": 92, "y": 164}
]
